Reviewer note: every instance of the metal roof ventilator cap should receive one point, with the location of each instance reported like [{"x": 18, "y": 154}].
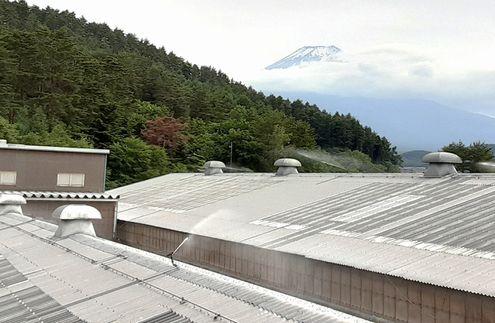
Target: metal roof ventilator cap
[
  {"x": 213, "y": 167},
  {"x": 11, "y": 204},
  {"x": 287, "y": 166},
  {"x": 441, "y": 164},
  {"x": 75, "y": 218}
]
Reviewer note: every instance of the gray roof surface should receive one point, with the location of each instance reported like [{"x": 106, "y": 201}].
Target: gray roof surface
[
  {"x": 433, "y": 230},
  {"x": 56, "y": 149},
  {"x": 87, "y": 279}
]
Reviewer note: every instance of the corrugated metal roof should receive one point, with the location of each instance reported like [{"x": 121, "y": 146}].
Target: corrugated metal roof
[
  {"x": 407, "y": 217},
  {"x": 96, "y": 280},
  {"x": 167, "y": 317},
  {"x": 25, "y": 302},
  {"x": 31, "y": 304},
  {"x": 64, "y": 195}
]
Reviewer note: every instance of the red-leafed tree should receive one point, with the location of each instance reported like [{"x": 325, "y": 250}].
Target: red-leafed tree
[{"x": 166, "y": 132}]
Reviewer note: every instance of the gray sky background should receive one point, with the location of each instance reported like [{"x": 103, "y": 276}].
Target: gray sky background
[{"x": 441, "y": 50}]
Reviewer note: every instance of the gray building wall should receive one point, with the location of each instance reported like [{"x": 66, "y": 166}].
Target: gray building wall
[
  {"x": 37, "y": 170},
  {"x": 374, "y": 296}
]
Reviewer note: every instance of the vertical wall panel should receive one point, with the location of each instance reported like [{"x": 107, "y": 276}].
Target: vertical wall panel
[
  {"x": 442, "y": 305},
  {"x": 368, "y": 294},
  {"x": 389, "y": 299},
  {"x": 414, "y": 301},
  {"x": 488, "y": 311},
  {"x": 428, "y": 304},
  {"x": 401, "y": 306},
  {"x": 377, "y": 296}
]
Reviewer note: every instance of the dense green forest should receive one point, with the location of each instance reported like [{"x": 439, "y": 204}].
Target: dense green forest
[
  {"x": 471, "y": 155},
  {"x": 65, "y": 81}
]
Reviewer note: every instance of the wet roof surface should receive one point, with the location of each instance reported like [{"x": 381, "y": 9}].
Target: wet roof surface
[
  {"x": 88, "y": 279},
  {"x": 420, "y": 226}
]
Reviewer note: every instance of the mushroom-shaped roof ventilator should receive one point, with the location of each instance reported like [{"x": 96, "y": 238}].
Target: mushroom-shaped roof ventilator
[
  {"x": 75, "y": 218},
  {"x": 441, "y": 164},
  {"x": 213, "y": 167},
  {"x": 11, "y": 204},
  {"x": 287, "y": 166}
]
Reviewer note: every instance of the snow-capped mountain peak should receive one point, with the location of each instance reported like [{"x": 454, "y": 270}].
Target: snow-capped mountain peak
[{"x": 308, "y": 54}]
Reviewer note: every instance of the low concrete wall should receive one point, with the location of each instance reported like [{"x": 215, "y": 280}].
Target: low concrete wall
[
  {"x": 43, "y": 209},
  {"x": 370, "y": 295}
]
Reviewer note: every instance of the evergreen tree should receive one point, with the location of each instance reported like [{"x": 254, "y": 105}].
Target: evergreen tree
[{"x": 470, "y": 155}]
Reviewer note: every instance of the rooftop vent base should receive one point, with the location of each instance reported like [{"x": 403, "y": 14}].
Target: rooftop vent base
[
  {"x": 70, "y": 227},
  {"x": 213, "y": 171},
  {"x": 440, "y": 170},
  {"x": 284, "y": 171}
]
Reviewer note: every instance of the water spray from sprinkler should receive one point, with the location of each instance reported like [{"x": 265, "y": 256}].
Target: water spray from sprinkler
[{"x": 171, "y": 255}]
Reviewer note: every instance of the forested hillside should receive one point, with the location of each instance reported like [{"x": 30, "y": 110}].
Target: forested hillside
[{"x": 65, "y": 81}]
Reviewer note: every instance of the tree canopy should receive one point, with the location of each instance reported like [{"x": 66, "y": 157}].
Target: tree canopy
[
  {"x": 65, "y": 81},
  {"x": 470, "y": 155}
]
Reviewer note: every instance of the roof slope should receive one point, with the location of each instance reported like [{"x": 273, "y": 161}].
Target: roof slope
[
  {"x": 437, "y": 231},
  {"x": 82, "y": 278}
]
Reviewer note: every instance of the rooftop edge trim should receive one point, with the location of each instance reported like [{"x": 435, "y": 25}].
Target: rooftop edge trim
[{"x": 56, "y": 149}]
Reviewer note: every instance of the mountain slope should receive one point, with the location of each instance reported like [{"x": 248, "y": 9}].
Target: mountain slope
[
  {"x": 308, "y": 54},
  {"x": 65, "y": 81},
  {"x": 413, "y": 158},
  {"x": 410, "y": 124}
]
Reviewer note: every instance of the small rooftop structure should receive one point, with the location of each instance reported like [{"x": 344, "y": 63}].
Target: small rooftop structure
[
  {"x": 213, "y": 167},
  {"x": 82, "y": 278},
  {"x": 75, "y": 218},
  {"x": 287, "y": 166},
  {"x": 11, "y": 203},
  {"x": 441, "y": 164}
]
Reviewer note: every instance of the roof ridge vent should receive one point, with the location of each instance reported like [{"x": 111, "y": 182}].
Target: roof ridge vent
[
  {"x": 213, "y": 167},
  {"x": 441, "y": 164},
  {"x": 75, "y": 218},
  {"x": 11, "y": 204},
  {"x": 287, "y": 166}
]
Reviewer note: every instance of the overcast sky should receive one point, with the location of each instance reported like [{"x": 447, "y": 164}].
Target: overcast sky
[{"x": 456, "y": 38}]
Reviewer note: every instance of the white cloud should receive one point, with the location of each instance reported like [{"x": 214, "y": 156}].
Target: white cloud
[{"x": 389, "y": 72}]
